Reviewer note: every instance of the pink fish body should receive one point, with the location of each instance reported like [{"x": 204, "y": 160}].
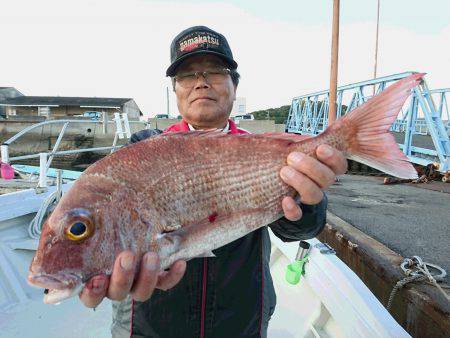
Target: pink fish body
[{"x": 184, "y": 194}]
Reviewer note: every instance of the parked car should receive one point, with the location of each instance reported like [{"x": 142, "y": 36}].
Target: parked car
[
  {"x": 162, "y": 116},
  {"x": 246, "y": 117},
  {"x": 94, "y": 115}
]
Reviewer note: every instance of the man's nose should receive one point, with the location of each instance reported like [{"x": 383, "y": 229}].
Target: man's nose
[{"x": 201, "y": 82}]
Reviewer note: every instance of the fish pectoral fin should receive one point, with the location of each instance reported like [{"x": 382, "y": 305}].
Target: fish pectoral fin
[
  {"x": 170, "y": 228},
  {"x": 199, "y": 238},
  {"x": 168, "y": 243}
]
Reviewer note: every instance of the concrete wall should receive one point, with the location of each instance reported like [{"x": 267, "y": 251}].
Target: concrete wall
[
  {"x": 55, "y": 112},
  {"x": 88, "y": 128},
  {"x": 91, "y": 134},
  {"x": 162, "y": 123},
  {"x": 129, "y": 107},
  {"x": 43, "y": 138},
  {"x": 261, "y": 126}
]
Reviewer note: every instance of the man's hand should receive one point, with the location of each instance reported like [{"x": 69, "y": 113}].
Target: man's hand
[
  {"x": 122, "y": 281},
  {"x": 309, "y": 176}
]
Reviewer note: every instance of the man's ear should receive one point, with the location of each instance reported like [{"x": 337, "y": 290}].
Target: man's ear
[
  {"x": 234, "y": 92},
  {"x": 173, "y": 84}
]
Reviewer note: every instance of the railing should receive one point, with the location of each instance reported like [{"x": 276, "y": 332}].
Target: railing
[
  {"x": 419, "y": 116},
  {"x": 46, "y": 158},
  {"x": 420, "y": 127}
]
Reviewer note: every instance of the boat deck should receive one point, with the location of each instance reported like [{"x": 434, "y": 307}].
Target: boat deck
[
  {"x": 31, "y": 317},
  {"x": 409, "y": 219}
]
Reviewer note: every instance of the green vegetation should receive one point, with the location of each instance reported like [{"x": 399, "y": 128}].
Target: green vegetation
[{"x": 279, "y": 115}]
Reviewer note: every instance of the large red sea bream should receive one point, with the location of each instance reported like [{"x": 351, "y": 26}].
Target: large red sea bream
[{"x": 185, "y": 194}]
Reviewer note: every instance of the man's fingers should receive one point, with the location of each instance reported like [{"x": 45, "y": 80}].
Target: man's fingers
[
  {"x": 332, "y": 158},
  {"x": 314, "y": 169},
  {"x": 291, "y": 210},
  {"x": 308, "y": 190},
  {"x": 168, "y": 279},
  {"x": 148, "y": 276},
  {"x": 118, "y": 286},
  {"x": 94, "y": 291},
  {"x": 122, "y": 276}
]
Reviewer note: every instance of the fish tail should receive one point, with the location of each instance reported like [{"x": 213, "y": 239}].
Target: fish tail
[{"x": 363, "y": 134}]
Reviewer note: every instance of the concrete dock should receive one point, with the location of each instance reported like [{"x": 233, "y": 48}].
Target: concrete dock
[
  {"x": 409, "y": 219},
  {"x": 373, "y": 227}
]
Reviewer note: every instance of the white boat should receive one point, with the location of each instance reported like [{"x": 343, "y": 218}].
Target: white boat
[{"x": 329, "y": 300}]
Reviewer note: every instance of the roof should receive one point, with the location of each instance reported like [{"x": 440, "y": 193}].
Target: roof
[
  {"x": 8, "y": 92},
  {"x": 65, "y": 101}
]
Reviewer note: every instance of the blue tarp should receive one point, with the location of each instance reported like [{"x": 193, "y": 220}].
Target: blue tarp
[{"x": 66, "y": 174}]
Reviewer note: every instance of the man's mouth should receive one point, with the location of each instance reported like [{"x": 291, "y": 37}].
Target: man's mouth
[{"x": 203, "y": 99}]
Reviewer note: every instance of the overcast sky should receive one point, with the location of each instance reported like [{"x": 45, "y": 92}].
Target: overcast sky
[{"x": 111, "y": 48}]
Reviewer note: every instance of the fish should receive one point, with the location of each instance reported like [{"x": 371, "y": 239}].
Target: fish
[{"x": 185, "y": 194}]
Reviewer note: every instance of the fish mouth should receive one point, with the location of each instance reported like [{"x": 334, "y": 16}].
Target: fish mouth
[
  {"x": 57, "y": 286},
  {"x": 59, "y": 281}
]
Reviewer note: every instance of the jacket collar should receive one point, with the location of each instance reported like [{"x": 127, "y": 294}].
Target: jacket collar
[{"x": 184, "y": 126}]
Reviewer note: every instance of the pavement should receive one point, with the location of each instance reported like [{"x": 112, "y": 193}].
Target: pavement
[{"x": 406, "y": 218}]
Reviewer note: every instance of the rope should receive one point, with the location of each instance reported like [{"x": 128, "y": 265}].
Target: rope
[
  {"x": 417, "y": 271},
  {"x": 35, "y": 227},
  {"x": 433, "y": 280},
  {"x": 400, "y": 284}
]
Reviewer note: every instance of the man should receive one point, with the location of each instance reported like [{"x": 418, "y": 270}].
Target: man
[{"x": 230, "y": 295}]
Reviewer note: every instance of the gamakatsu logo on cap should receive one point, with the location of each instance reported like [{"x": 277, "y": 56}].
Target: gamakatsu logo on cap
[{"x": 192, "y": 43}]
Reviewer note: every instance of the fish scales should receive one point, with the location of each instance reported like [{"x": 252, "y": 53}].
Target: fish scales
[{"x": 192, "y": 185}]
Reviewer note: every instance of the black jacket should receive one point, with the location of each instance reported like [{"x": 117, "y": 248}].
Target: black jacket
[{"x": 230, "y": 295}]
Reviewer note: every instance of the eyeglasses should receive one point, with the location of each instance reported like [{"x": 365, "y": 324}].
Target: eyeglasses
[{"x": 215, "y": 76}]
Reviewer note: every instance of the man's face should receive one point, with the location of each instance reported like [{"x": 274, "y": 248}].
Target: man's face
[{"x": 205, "y": 105}]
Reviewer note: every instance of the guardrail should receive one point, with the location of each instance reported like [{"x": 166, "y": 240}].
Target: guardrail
[
  {"x": 419, "y": 116},
  {"x": 46, "y": 158}
]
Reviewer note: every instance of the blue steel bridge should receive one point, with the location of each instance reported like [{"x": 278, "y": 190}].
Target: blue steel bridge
[{"x": 421, "y": 129}]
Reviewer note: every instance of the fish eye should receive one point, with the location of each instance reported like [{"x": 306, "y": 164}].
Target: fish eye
[{"x": 79, "y": 230}]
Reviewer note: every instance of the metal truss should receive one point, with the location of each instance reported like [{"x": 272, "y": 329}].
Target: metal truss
[{"x": 422, "y": 126}]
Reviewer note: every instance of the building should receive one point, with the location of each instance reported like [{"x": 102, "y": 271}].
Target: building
[
  {"x": 60, "y": 106},
  {"x": 7, "y": 93},
  {"x": 239, "y": 107}
]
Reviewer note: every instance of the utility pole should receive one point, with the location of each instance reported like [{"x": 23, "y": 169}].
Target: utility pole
[
  {"x": 376, "y": 46},
  {"x": 334, "y": 63},
  {"x": 167, "y": 96}
]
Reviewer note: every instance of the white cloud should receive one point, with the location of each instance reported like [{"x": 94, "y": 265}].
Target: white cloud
[{"x": 121, "y": 49}]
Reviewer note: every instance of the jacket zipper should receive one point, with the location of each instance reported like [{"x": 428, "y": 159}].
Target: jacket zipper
[
  {"x": 262, "y": 290},
  {"x": 132, "y": 317},
  {"x": 203, "y": 310}
]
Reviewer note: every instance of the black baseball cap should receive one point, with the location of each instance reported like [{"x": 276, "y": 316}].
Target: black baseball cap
[{"x": 199, "y": 40}]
